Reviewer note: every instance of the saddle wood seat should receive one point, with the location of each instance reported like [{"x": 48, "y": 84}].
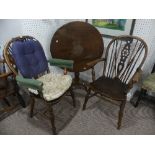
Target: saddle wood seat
[{"x": 103, "y": 85}]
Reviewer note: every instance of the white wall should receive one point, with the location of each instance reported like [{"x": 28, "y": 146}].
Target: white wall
[
  {"x": 8, "y": 29},
  {"x": 43, "y": 30}
]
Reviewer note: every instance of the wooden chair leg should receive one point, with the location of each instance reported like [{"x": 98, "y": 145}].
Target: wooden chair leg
[
  {"x": 6, "y": 102},
  {"x": 120, "y": 116},
  {"x": 32, "y": 107},
  {"x": 52, "y": 120},
  {"x": 21, "y": 100},
  {"x": 141, "y": 95},
  {"x": 86, "y": 98},
  {"x": 73, "y": 97}
]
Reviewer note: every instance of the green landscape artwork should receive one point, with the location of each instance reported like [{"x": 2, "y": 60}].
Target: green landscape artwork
[{"x": 115, "y": 24}]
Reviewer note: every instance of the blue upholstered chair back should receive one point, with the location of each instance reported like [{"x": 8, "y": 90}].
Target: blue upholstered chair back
[{"x": 29, "y": 57}]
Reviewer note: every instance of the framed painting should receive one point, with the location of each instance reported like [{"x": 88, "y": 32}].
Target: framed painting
[{"x": 113, "y": 27}]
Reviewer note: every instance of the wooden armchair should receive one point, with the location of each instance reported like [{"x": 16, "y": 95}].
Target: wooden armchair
[
  {"x": 124, "y": 58},
  {"x": 25, "y": 55},
  {"x": 8, "y": 86}
]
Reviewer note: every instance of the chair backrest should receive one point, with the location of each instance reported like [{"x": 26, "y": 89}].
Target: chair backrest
[
  {"x": 2, "y": 66},
  {"x": 124, "y": 55},
  {"x": 26, "y": 55}
]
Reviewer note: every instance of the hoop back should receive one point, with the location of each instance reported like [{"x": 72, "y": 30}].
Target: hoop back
[
  {"x": 124, "y": 55},
  {"x": 9, "y": 57}
]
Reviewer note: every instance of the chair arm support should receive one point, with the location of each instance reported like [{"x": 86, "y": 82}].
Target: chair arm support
[
  {"x": 137, "y": 76},
  {"x": 61, "y": 63},
  {"x": 5, "y": 75},
  {"x": 29, "y": 83}
]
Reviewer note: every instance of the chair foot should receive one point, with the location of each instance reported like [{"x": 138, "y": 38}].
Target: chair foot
[
  {"x": 21, "y": 100},
  {"x": 120, "y": 116},
  {"x": 6, "y": 102},
  {"x": 86, "y": 99},
  {"x": 32, "y": 107},
  {"x": 73, "y": 97},
  {"x": 142, "y": 93},
  {"x": 52, "y": 120},
  {"x": 137, "y": 103}
]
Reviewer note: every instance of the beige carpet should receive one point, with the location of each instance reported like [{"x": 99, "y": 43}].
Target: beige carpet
[{"x": 99, "y": 118}]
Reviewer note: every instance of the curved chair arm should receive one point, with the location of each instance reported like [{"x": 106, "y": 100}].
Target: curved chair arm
[
  {"x": 66, "y": 64},
  {"x": 94, "y": 62},
  {"x": 5, "y": 75},
  {"x": 61, "y": 63},
  {"x": 29, "y": 83}
]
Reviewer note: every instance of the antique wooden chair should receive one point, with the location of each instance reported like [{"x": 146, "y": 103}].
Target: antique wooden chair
[
  {"x": 148, "y": 85},
  {"x": 124, "y": 58},
  {"x": 8, "y": 86},
  {"x": 26, "y": 59}
]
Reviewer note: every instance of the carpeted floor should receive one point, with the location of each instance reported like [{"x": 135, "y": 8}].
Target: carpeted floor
[
  {"x": 100, "y": 118},
  {"x": 7, "y": 110}
]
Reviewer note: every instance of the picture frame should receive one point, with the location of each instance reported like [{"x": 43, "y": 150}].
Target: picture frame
[{"x": 113, "y": 27}]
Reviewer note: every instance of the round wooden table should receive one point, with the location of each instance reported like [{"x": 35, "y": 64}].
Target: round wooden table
[{"x": 78, "y": 41}]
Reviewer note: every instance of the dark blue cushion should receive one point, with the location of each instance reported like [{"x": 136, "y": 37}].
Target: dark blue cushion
[{"x": 29, "y": 57}]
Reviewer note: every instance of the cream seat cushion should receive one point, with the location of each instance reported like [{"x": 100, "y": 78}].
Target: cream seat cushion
[
  {"x": 149, "y": 83},
  {"x": 54, "y": 86}
]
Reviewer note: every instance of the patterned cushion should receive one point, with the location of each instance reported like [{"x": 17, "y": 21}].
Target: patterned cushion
[
  {"x": 149, "y": 83},
  {"x": 54, "y": 85}
]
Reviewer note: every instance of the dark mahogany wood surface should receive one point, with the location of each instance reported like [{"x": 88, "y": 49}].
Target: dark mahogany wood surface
[{"x": 78, "y": 41}]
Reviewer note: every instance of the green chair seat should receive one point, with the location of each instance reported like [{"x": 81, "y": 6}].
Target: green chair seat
[{"x": 149, "y": 83}]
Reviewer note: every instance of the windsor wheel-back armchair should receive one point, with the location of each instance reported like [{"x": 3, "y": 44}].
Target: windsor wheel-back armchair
[
  {"x": 26, "y": 56},
  {"x": 124, "y": 58}
]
